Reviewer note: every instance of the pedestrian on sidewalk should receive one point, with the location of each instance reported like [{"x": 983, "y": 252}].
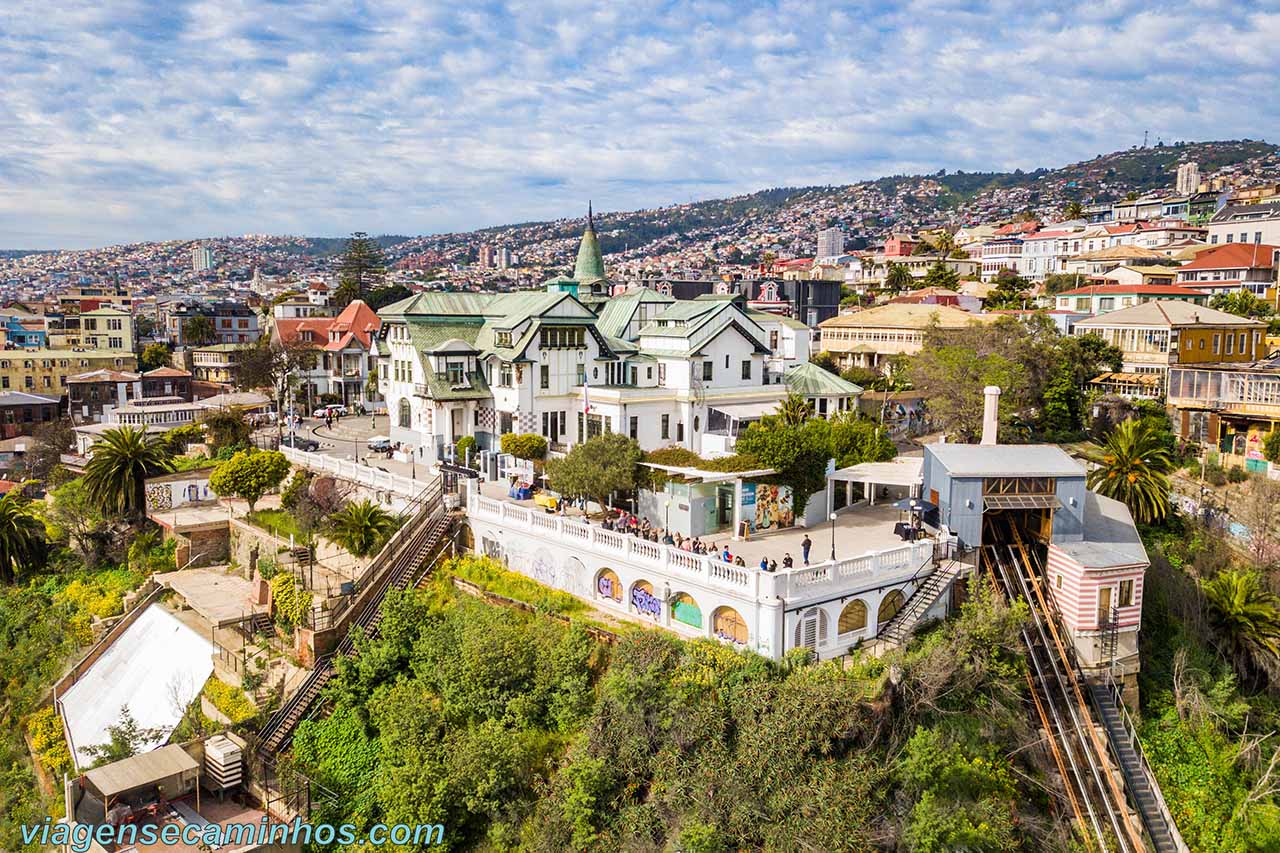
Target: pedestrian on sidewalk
[{"x": 805, "y": 545}]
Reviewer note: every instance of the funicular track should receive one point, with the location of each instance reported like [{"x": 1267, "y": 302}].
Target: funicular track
[
  {"x": 406, "y": 560},
  {"x": 1060, "y": 699}
]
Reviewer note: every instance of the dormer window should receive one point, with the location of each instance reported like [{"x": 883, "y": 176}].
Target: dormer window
[{"x": 502, "y": 339}]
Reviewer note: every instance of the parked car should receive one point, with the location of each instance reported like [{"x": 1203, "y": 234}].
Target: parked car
[
  {"x": 334, "y": 409},
  {"x": 300, "y": 442},
  {"x": 380, "y": 443}
]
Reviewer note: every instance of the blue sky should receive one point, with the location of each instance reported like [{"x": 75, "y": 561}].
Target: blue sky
[{"x": 125, "y": 120}]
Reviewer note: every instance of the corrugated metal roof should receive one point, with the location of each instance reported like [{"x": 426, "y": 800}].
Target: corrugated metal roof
[
  {"x": 141, "y": 771},
  {"x": 1005, "y": 460},
  {"x": 809, "y": 379}
]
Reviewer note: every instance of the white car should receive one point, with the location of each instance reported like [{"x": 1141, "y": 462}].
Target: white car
[
  {"x": 334, "y": 409},
  {"x": 379, "y": 443}
]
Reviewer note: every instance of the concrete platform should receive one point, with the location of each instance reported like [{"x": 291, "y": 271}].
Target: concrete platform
[{"x": 218, "y": 596}]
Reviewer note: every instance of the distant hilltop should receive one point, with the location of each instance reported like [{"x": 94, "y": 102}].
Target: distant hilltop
[{"x": 789, "y": 216}]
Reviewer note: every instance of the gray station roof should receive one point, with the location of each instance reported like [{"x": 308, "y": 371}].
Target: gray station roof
[
  {"x": 1005, "y": 460},
  {"x": 1110, "y": 538}
]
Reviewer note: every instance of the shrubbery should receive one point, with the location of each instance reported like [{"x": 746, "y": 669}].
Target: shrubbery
[
  {"x": 230, "y": 701},
  {"x": 49, "y": 741}
]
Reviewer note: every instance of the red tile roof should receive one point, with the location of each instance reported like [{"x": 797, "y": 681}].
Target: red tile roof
[
  {"x": 1234, "y": 256},
  {"x": 162, "y": 372},
  {"x": 357, "y": 321},
  {"x": 1147, "y": 289}
]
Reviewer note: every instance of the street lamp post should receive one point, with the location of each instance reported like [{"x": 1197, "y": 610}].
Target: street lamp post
[
  {"x": 668, "y": 507},
  {"x": 833, "y": 537}
]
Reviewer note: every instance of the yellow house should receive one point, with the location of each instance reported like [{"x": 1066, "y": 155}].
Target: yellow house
[
  {"x": 106, "y": 328},
  {"x": 869, "y": 338},
  {"x": 45, "y": 371},
  {"x": 1155, "y": 335}
]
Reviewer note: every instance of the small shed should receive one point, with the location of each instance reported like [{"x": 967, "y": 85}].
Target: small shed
[{"x": 165, "y": 773}]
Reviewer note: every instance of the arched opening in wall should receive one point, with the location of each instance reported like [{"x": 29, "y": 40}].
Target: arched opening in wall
[
  {"x": 890, "y": 606},
  {"x": 406, "y": 415},
  {"x": 853, "y": 618},
  {"x": 608, "y": 586},
  {"x": 728, "y": 624},
  {"x": 466, "y": 538},
  {"x": 811, "y": 630},
  {"x": 644, "y": 602},
  {"x": 686, "y": 611}
]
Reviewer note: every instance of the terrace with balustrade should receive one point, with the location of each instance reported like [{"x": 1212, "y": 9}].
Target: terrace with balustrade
[{"x": 829, "y": 606}]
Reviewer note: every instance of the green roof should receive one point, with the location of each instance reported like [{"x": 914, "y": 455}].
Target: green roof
[
  {"x": 616, "y": 313},
  {"x": 810, "y": 380},
  {"x": 476, "y": 387},
  {"x": 590, "y": 265},
  {"x": 441, "y": 304},
  {"x": 427, "y": 337}
]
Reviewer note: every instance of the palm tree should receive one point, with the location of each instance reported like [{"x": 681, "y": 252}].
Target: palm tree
[
  {"x": 198, "y": 330},
  {"x": 795, "y": 410},
  {"x": 122, "y": 460},
  {"x": 945, "y": 242},
  {"x": 361, "y": 527},
  {"x": 1134, "y": 468},
  {"x": 21, "y": 537},
  {"x": 899, "y": 278},
  {"x": 1073, "y": 210},
  {"x": 1246, "y": 619}
]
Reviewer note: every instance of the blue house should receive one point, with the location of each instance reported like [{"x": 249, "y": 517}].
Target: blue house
[{"x": 17, "y": 335}]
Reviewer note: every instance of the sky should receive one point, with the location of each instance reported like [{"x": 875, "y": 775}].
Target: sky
[{"x": 129, "y": 120}]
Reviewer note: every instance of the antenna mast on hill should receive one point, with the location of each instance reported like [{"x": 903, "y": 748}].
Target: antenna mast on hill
[{"x": 1144, "y": 138}]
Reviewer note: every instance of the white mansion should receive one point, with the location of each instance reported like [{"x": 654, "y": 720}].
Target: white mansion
[{"x": 581, "y": 358}]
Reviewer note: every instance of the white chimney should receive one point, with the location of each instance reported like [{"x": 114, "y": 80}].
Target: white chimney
[{"x": 990, "y": 414}]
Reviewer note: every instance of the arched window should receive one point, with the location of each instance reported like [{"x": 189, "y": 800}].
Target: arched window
[
  {"x": 890, "y": 606},
  {"x": 811, "y": 630},
  {"x": 608, "y": 586},
  {"x": 686, "y": 611},
  {"x": 727, "y": 624},
  {"x": 644, "y": 602},
  {"x": 405, "y": 414},
  {"x": 852, "y": 618}
]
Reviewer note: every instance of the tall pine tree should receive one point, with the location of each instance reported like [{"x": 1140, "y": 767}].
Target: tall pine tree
[{"x": 361, "y": 269}]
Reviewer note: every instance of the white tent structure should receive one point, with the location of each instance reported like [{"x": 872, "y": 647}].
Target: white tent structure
[
  {"x": 903, "y": 472},
  {"x": 156, "y": 667}
]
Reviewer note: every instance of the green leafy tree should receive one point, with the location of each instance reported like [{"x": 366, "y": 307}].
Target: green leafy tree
[
  {"x": 826, "y": 361},
  {"x": 941, "y": 275},
  {"x": 864, "y": 377},
  {"x": 1010, "y": 292},
  {"x": 199, "y": 331},
  {"x": 361, "y": 269},
  {"x": 127, "y": 739},
  {"x": 154, "y": 356},
  {"x": 526, "y": 445},
  {"x": 122, "y": 460},
  {"x": 465, "y": 449},
  {"x": 75, "y": 518},
  {"x": 1083, "y": 357},
  {"x": 798, "y": 452},
  {"x": 855, "y": 439},
  {"x": 380, "y": 297},
  {"x": 1242, "y": 303},
  {"x": 898, "y": 278},
  {"x": 597, "y": 467},
  {"x": 794, "y": 410},
  {"x": 44, "y": 454},
  {"x": 952, "y": 378},
  {"x": 22, "y": 542},
  {"x": 1062, "y": 409},
  {"x": 361, "y": 527},
  {"x": 1245, "y": 617},
  {"x": 1134, "y": 468},
  {"x": 1271, "y": 447},
  {"x": 1058, "y": 282},
  {"x": 226, "y": 428},
  {"x": 249, "y": 475}
]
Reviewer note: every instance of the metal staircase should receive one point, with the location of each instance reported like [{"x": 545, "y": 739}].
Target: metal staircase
[
  {"x": 908, "y": 617},
  {"x": 405, "y": 561}
]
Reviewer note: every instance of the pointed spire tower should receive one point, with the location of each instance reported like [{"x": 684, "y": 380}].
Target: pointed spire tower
[{"x": 589, "y": 268}]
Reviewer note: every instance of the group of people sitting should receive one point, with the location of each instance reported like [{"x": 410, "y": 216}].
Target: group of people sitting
[{"x": 625, "y": 522}]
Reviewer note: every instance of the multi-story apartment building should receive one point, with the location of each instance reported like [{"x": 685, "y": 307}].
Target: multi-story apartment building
[
  {"x": 21, "y": 413},
  {"x": 46, "y": 371},
  {"x": 1003, "y": 252},
  {"x": 830, "y": 243},
  {"x": 232, "y": 322},
  {"x": 1157, "y": 335},
  {"x": 870, "y": 338},
  {"x": 1228, "y": 268},
  {"x": 1251, "y": 223},
  {"x": 346, "y": 350},
  {"x": 1188, "y": 179},
  {"x": 93, "y": 395},
  {"x": 201, "y": 259},
  {"x": 1228, "y": 407},
  {"x": 217, "y": 363},
  {"x": 1104, "y": 298},
  {"x": 107, "y": 328}
]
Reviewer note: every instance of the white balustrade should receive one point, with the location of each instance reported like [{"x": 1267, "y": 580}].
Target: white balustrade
[{"x": 802, "y": 582}]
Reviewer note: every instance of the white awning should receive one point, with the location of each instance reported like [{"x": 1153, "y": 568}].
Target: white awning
[
  {"x": 746, "y": 411},
  {"x": 903, "y": 471}
]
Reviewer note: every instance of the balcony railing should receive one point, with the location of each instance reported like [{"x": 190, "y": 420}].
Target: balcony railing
[{"x": 870, "y": 569}]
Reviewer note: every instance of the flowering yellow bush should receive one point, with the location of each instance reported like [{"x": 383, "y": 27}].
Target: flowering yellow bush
[{"x": 49, "y": 741}]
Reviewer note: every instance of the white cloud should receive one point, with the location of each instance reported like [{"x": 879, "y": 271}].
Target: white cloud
[{"x": 137, "y": 119}]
